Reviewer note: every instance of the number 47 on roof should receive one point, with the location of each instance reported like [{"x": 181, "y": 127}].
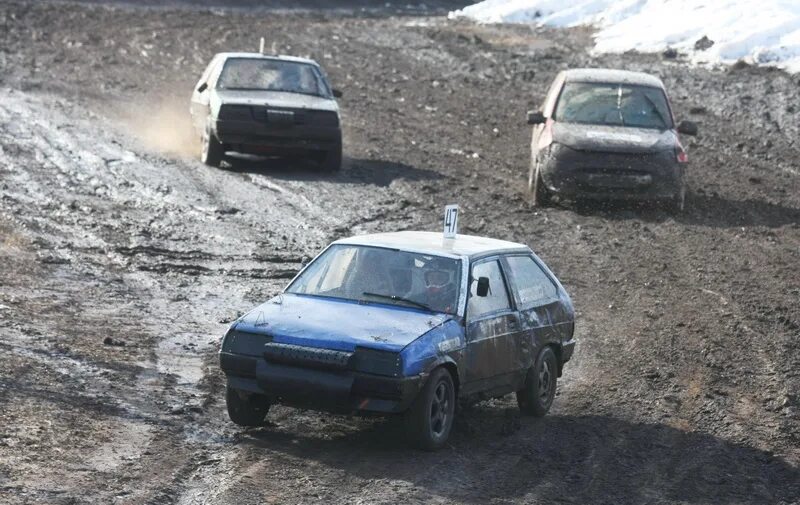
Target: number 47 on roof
[{"x": 450, "y": 221}]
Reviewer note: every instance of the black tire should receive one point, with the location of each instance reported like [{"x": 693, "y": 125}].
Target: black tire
[
  {"x": 540, "y": 195},
  {"x": 678, "y": 202},
  {"x": 539, "y": 391},
  {"x": 430, "y": 418},
  {"x": 211, "y": 150},
  {"x": 246, "y": 409},
  {"x": 332, "y": 160}
]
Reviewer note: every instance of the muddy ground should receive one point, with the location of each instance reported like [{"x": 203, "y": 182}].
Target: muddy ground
[{"x": 123, "y": 259}]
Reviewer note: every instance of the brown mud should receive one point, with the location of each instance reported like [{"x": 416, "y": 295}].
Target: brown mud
[{"x": 123, "y": 259}]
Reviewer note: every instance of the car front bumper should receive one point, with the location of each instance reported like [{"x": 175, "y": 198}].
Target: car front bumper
[
  {"x": 340, "y": 391},
  {"x": 258, "y": 138},
  {"x": 607, "y": 175}
]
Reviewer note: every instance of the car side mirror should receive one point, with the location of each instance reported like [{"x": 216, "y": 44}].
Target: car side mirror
[
  {"x": 536, "y": 117},
  {"x": 483, "y": 286},
  {"x": 687, "y": 127},
  {"x": 337, "y": 93},
  {"x": 202, "y": 87}
]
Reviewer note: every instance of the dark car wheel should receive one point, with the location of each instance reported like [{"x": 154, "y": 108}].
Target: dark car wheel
[
  {"x": 539, "y": 192},
  {"x": 678, "y": 202},
  {"x": 212, "y": 151},
  {"x": 430, "y": 418},
  {"x": 536, "y": 397},
  {"x": 246, "y": 409},
  {"x": 332, "y": 160}
]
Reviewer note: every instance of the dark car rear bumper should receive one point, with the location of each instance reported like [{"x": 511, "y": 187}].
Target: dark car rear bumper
[
  {"x": 257, "y": 138},
  {"x": 626, "y": 176},
  {"x": 341, "y": 391}
]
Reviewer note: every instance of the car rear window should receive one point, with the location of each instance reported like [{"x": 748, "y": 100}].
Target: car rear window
[
  {"x": 533, "y": 286},
  {"x": 613, "y": 105}
]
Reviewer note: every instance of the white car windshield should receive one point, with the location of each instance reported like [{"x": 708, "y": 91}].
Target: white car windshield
[
  {"x": 613, "y": 105},
  {"x": 389, "y": 276},
  {"x": 259, "y": 74}
]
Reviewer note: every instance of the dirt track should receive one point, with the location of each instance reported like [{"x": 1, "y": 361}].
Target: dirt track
[{"x": 685, "y": 387}]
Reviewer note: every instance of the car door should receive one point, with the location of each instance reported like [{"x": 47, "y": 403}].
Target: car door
[
  {"x": 542, "y": 317},
  {"x": 492, "y": 328}
]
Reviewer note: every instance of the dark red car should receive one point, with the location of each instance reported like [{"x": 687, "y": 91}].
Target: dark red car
[{"x": 607, "y": 134}]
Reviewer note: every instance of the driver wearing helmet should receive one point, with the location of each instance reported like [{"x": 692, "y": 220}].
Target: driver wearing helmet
[{"x": 440, "y": 286}]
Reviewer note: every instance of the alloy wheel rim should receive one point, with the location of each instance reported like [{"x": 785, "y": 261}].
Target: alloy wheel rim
[
  {"x": 440, "y": 407},
  {"x": 545, "y": 381}
]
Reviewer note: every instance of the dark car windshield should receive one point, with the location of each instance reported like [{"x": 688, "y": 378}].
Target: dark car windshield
[
  {"x": 613, "y": 105},
  {"x": 374, "y": 274},
  {"x": 271, "y": 75}
]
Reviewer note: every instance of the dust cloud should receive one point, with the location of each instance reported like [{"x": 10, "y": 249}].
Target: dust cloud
[{"x": 161, "y": 124}]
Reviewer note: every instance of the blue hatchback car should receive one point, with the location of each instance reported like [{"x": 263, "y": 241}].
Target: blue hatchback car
[{"x": 404, "y": 323}]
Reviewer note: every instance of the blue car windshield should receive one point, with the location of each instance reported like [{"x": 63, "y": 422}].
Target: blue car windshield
[
  {"x": 613, "y": 105},
  {"x": 375, "y": 274}
]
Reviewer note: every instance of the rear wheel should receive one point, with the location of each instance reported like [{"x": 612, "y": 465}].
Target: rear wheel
[
  {"x": 540, "y": 194},
  {"x": 212, "y": 151},
  {"x": 536, "y": 397},
  {"x": 246, "y": 409},
  {"x": 430, "y": 418}
]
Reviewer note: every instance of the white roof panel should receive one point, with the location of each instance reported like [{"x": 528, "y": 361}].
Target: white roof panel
[
  {"x": 281, "y": 57},
  {"x": 428, "y": 242}
]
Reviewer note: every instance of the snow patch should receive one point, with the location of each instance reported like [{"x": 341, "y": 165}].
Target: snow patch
[{"x": 762, "y": 32}]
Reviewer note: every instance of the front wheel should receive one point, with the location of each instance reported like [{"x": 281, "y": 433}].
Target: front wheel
[
  {"x": 246, "y": 409},
  {"x": 332, "y": 160},
  {"x": 539, "y": 391},
  {"x": 539, "y": 192},
  {"x": 678, "y": 202},
  {"x": 430, "y": 418},
  {"x": 212, "y": 151}
]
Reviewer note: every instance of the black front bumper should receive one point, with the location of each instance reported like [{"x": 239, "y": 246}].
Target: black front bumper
[
  {"x": 258, "y": 138},
  {"x": 341, "y": 391},
  {"x": 609, "y": 175}
]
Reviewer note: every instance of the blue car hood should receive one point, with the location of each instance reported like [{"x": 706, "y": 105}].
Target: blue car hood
[{"x": 338, "y": 324}]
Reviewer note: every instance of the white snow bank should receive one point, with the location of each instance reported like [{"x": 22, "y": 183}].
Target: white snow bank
[{"x": 757, "y": 31}]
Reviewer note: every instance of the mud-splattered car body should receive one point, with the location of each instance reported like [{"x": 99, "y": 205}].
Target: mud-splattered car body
[
  {"x": 342, "y": 355},
  {"x": 607, "y": 134},
  {"x": 266, "y": 105}
]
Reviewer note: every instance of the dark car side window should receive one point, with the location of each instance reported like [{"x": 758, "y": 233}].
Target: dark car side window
[
  {"x": 496, "y": 300},
  {"x": 533, "y": 286}
]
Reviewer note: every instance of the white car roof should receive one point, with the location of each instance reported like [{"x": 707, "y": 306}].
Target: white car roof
[
  {"x": 281, "y": 57},
  {"x": 607, "y": 75},
  {"x": 427, "y": 242}
]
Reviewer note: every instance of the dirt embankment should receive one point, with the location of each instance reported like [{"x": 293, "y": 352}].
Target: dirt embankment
[{"x": 122, "y": 259}]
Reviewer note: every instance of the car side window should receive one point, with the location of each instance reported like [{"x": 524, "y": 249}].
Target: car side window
[
  {"x": 532, "y": 284},
  {"x": 496, "y": 299}
]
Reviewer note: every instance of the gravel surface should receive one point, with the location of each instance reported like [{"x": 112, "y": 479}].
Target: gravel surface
[{"x": 123, "y": 259}]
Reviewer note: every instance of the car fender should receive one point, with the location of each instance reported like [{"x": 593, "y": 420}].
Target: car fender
[{"x": 442, "y": 344}]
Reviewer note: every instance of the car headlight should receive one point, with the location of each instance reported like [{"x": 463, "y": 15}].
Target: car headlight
[
  {"x": 326, "y": 118},
  {"x": 377, "y": 362},
  {"x": 234, "y": 112}
]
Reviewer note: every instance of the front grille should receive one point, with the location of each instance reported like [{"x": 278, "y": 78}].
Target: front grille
[{"x": 288, "y": 354}]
